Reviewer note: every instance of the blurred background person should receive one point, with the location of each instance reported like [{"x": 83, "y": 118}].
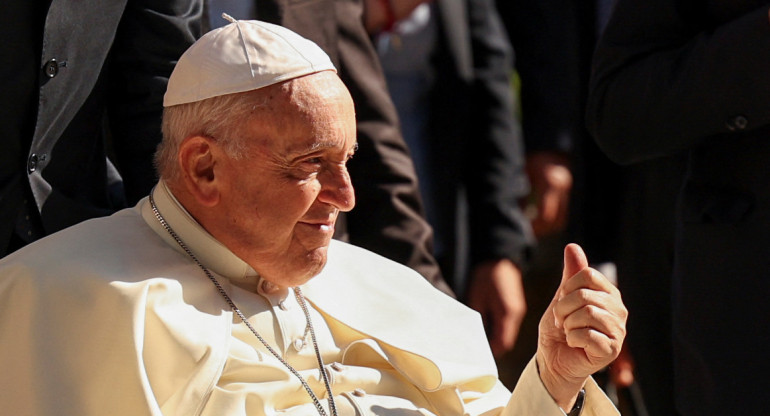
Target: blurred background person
[
  {"x": 82, "y": 99},
  {"x": 689, "y": 80},
  {"x": 623, "y": 216},
  {"x": 447, "y": 67}
]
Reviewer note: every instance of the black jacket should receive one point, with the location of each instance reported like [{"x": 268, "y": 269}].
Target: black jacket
[
  {"x": 475, "y": 141},
  {"x": 83, "y": 121},
  {"x": 691, "y": 78}
]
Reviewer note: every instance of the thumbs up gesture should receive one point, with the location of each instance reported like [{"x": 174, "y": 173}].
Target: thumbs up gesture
[{"x": 582, "y": 330}]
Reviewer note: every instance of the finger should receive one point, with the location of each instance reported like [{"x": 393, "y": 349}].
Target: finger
[
  {"x": 598, "y": 347},
  {"x": 502, "y": 334},
  {"x": 590, "y": 279},
  {"x": 609, "y": 322},
  {"x": 549, "y": 206},
  {"x": 591, "y": 316},
  {"x": 507, "y": 328},
  {"x": 574, "y": 261},
  {"x": 588, "y": 300},
  {"x": 504, "y": 329}
]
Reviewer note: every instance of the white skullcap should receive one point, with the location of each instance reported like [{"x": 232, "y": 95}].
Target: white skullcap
[{"x": 244, "y": 55}]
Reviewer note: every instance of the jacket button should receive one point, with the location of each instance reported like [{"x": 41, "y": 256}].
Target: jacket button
[
  {"x": 737, "y": 123},
  {"x": 32, "y": 163},
  {"x": 51, "y": 68},
  {"x": 741, "y": 122},
  {"x": 359, "y": 393}
]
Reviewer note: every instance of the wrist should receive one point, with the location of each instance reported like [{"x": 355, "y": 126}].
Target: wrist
[{"x": 563, "y": 391}]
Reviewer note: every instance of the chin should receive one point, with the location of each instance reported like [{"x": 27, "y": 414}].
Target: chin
[
  {"x": 313, "y": 263},
  {"x": 316, "y": 260}
]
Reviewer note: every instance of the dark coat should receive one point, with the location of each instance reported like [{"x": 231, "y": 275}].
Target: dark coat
[
  {"x": 92, "y": 102},
  {"x": 475, "y": 142},
  {"x": 691, "y": 78}
]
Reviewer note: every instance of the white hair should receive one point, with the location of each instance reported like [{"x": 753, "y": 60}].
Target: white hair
[{"x": 223, "y": 119}]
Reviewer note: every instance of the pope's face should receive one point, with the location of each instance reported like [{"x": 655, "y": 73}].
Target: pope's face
[{"x": 281, "y": 201}]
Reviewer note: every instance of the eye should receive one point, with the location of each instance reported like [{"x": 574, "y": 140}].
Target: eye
[
  {"x": 352, "y": 152},
  {"x": 310, "y": 166}
]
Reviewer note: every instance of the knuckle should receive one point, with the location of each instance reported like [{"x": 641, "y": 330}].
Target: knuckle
[
  {"x": 593, "y": 311},
  {"x": 615, "y": 348},
  {"x": 584, "y": 295}
]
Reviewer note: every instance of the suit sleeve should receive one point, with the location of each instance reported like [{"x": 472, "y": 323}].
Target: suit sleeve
[
  {"x": 666, "y": 77},
  {"x": 151, "y": 37},
  {"x": 495, "y": 179}
]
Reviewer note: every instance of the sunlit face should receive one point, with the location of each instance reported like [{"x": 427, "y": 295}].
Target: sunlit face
[{"x": 281, "y": 201}]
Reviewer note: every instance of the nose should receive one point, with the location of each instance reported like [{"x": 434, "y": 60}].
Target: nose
[{"x": 337, "y": 190}]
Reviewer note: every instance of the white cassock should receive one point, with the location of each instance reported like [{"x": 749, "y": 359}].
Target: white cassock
[{"x": 111, "y": 317}]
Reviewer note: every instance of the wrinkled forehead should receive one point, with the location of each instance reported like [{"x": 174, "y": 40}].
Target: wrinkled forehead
[
  {"x": 321, "y": 93},
  {"x": 317, "y": 91},
  {"x": 313, "y": 107}
]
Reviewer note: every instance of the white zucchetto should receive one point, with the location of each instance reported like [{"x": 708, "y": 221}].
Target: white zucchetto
[{"x": 245, "y": 55}]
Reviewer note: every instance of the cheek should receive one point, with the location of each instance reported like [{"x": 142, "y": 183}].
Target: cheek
[
  {"x": 248, "y": 207},
  {"x": 285, "y": 204}
]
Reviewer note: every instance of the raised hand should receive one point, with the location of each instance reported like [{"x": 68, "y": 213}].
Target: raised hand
[{"x": 582, "y": 330}]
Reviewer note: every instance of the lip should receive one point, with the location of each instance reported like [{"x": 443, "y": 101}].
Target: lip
[
  {"x": 323, "y": 226},
  {"x": 320, "y": 221}
]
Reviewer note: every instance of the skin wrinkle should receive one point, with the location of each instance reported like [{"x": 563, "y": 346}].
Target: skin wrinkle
[{"x": 276, "y": 207}]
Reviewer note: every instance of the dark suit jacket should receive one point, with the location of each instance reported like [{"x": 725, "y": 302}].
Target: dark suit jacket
[
  {"x": 475, "y": 141},
  {"x": 98, "y": 91},
  {"x": 388, "y": 217},
  {"x": 684, "y": 77},
  {"x": 545, "y": 37}
]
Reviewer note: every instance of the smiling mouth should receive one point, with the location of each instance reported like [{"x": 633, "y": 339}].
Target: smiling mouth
[
  {"x": 322, "y": 222},
  {"x": 320, "y": 226}
]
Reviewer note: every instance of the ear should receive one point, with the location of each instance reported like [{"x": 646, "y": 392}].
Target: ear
[{"x": 198, "y": 157}]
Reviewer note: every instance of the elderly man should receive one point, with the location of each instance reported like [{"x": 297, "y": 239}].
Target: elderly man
[{"x": 222, "y": 293}]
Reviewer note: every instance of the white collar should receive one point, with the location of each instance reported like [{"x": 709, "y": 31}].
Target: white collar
[{"x": 213, "y": 254}]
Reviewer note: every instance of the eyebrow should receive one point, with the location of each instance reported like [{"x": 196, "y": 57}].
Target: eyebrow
[{"x": 300, "y": 152}]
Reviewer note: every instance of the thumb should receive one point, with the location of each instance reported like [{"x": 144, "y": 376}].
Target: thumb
[{"x": 574, "y": 261}]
